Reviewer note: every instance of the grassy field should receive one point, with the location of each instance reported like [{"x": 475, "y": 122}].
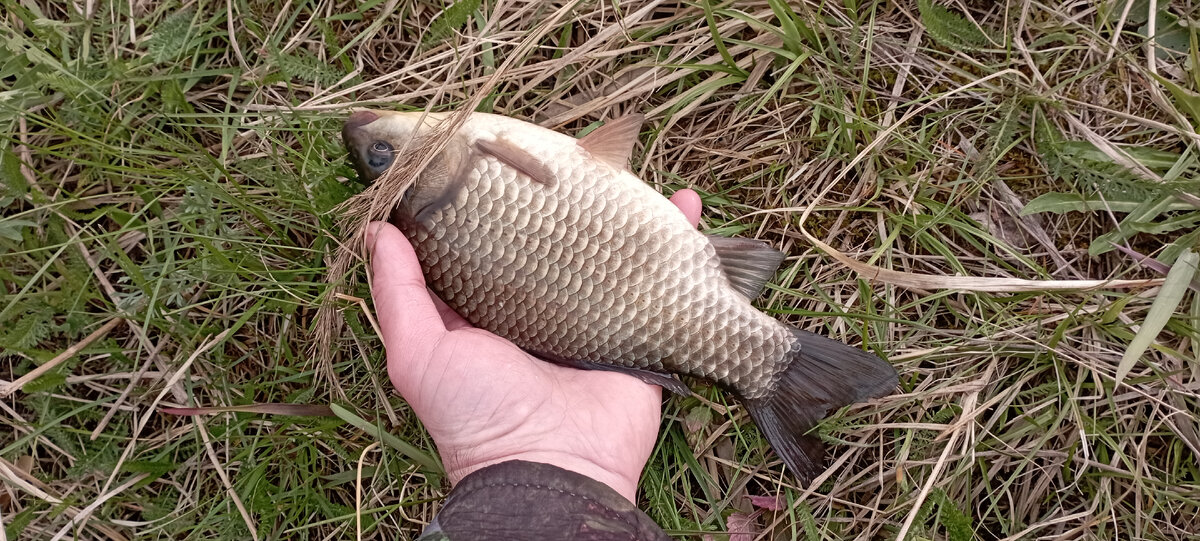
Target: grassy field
[{"x": 169, "y": 175}]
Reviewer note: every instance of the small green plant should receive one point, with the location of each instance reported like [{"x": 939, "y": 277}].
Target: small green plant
[{"x": 951, "y": 29}]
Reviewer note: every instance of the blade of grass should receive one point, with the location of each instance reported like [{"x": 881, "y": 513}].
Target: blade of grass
[
  {"x": 1161, "y": 311},
  {"x": 426, "y": 461}
]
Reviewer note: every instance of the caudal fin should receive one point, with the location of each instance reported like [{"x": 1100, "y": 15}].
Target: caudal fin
[{"x": 822, "y": 376}]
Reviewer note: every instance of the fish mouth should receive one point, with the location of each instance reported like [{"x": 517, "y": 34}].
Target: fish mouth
[
  {"x": 360, "y": 118},
  {"x": 358, "y": 141}
]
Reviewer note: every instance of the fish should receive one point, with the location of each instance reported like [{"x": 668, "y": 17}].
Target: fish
[{"x": 551, "y": 242}]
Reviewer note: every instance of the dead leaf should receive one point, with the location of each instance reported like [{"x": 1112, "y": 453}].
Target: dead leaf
[
  {"x": 774, "y": 503},
  {"x": 742, "y": 527},
  {"x": 299, "y": 410}
]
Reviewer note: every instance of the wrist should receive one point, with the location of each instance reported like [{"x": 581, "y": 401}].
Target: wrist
[{"x": 623, "y": 483}]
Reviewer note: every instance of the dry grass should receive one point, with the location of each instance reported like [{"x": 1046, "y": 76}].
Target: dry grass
[{"x": 173, "y": 169}]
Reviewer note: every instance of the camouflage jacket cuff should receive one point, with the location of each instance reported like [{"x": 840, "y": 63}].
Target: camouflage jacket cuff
[{"x": 529, "y": 500}]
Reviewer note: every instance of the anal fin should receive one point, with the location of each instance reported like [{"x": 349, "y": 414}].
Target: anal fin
[
  {"x": 748, "y": 263},
  {"x": 666, "y": 381}
]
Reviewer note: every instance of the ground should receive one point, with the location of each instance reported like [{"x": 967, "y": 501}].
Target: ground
[{"x": 170, "y": 180}]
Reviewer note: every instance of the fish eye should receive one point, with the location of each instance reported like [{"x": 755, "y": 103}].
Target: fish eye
[{"x": 380, "y": 156}]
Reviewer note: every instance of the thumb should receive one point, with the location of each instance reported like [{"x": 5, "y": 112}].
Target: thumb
[{"x": 408, "y": 317}]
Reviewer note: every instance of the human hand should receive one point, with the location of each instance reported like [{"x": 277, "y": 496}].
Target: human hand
[{"x": 485, "y": 401}]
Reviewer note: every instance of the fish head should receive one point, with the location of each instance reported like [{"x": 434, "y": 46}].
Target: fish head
[
  {"x": 370, "y": 152},
  {"x": 377, "y": 139},
  {"x": 374, "y": 138}
]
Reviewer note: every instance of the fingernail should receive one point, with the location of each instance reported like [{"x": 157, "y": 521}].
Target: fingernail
[{"x": 369, "y": 237}]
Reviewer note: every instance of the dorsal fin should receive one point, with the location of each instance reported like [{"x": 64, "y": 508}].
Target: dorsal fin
[
  {"x": 613, "y": 142},
  {"x": 516, "y": 157},
  {"x": 748, "y": 263},
  {"x": 669, "y": 382}
]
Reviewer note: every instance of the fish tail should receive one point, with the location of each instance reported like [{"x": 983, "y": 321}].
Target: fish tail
[{"x": 821, "y": 375}]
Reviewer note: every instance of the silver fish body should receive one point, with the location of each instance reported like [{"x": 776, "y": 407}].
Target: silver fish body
[{"x": 549, "y": 241}]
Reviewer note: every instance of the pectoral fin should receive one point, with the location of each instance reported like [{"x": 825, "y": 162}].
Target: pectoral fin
[
  {"x": 748, "y": 263},
  {"x": 446, "y": 175},
  {"x": 517, "y": 158},
  {"x": 666, "y": 381},
  {"x": 613, "y": 142}
]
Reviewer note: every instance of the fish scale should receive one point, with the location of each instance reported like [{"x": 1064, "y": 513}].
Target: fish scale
[
  {"x": 551, "y": 243},
  {"x": 557, "y": 315}
]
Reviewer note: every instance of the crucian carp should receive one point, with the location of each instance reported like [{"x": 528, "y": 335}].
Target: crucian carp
[{"x": 552, "y": 243}]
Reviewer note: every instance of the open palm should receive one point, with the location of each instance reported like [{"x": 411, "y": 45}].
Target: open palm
[{"x": 486, "y": 401}]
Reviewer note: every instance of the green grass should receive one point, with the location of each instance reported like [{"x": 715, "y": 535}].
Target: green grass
[{"x": 176, "y": 169}]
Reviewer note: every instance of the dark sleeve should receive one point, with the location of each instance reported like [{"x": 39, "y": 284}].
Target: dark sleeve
[{"x": 528, "y": 500}]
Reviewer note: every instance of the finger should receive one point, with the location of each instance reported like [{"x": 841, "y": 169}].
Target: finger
[
  {"x": 408, "y": 317},
  {"x": 689, "y": 204}
]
